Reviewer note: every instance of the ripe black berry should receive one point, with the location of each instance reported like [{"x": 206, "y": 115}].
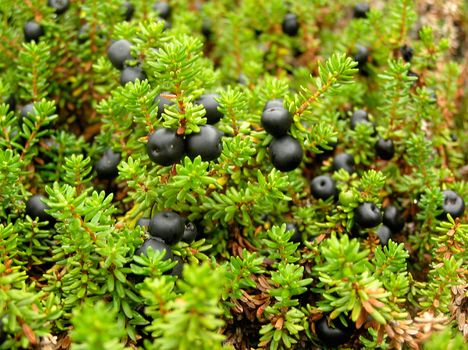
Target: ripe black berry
[
  {"x": 177, "y": 270},
  {"x": 361, "y": 56},
  {"x": 213, "y": 115},
  {"x": 333, "y": 336},
  {"x": 276, "y": 121},
  {"x": 190, "y": 232},
  {"x": 361, "y": 10},
  {"x": 206, "y": 143},
  {"x": 32, "y": 31},
  {"x": 406, "y": 53},
  {"x": 285, "y": 153},
  {"x": 384, "y": 234},
  {"x": 36, "y": 208},
  {"x": 106, "y": 167},
  {"x": 277, "y": 102},
  {"x": 143, "y": 222},
  {"x": 129, "y": 10},
  {"x": 119, "y": 52},
  {"x": 385, "y": 148},
  {"x": 163, "y": 9},
  {"x": 60, "y": 6},
  {"x": 165, "y": 147},
  {"x": 10, "y": 101},
  {"x": 168, "y": 226},
  {"x": 26, "y": 112},
  {"x": 453, "y": 204},
  {"x": 131, "y": 74},
  {"x": 323, "y": 187},
  {"x": 206, "y": 29},
  {"x": 393, "y": 219},
  {"x": 343, "y": 161},
  {"x": 359, "y": 116},
  {"x": 157, "y": 245},
  {"x": 367, "y": 215},
  {"x": 162, "y": 102},
  {"x": 297, "y": 236},
  {"x": 290, "y": 24}
]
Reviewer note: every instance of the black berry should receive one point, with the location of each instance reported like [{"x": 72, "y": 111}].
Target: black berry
[
  {"x": 10, "y": 101},
  {"x": 36, "y": 208},
  {"x": 157, "y": 245},
  {"x": 285, "y": 153},
  {"x": 119, "y": 52},
  {"x": 206, "y": 143},
  {"x": 290, "y": 24},
  {"x": 60, "y": 6},
  {"x": 343, "y": 161},
  {"x": 106, "y": 167},
  {"x": 32, "y": 31},
  {"x": 323, "y": 187},
  {"x": 206, "y": 29},
  {"x": 26, "y": 112},
  {"x": 385, "y": 148},
  {"x": 359, "y": 116},
  {"x": 393, "y": 219},
  {"x": 277, "y": 102},
  {"x": 367, "y": 215},
  {"x": 143, "y": 222},
  {"x": 177, "y": 270},
  {"x": 361, "y": 55},
  {"x": 162, "y": 102},
  {"x": 213, "y": 115},
  {"x": 361, "y": 10},
  {"x": 276, "y": 121},
  {"x": 163, "y": 9},
  {"x": 334, "y": 335},
  {"x": 131, "y": 74},
  {"x": 384, "y": 234},
  {"x": 297, "y": 236},
  {"x": 406, "y": 53},
  {"x": 165, "y": 147},
  {"x": 129, "y": 10},
  {"x": 168, "y": 226},
  {"x": 190, "y": 232},
  {"x": 453, "y": 204}
]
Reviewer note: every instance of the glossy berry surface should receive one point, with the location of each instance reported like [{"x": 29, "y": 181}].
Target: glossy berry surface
[
  {"x": 190, "y": 232},
  {"x": 119, "y": 52},
  {"x": 26, "y": 112},
  {"x": 177, "y": 270},
  {"x": 276, "y": 121},
  {"x": 358, "y": 116},
  {"x": 60, "y": 6},
  {"x": 32, "y": 31},
  {"x": 361, "y": 55},
  {"x": 393, "y": 219},
  {"x": 285, "y": 153},
  {"x": 206, "y": 143},
  {"x": 385, "y": 149},
  {"x": 343, "y": 161},
  {"x": 277, "y": 102},
  {"x": 334, "y": 335},
  {"x": 129, "y": 10},
  {"x": 157, "y": 245},
  {"x": 106, "y": 167},
  {"x": 367, "y": 215},
  {"x": 213, "y": 115},
  {"x": 406, "y": 53},
  {"x": 323, "y": 187},
  {"x": 168, "y": 226},
  {"x": 163, "y": 9},
  {"x": 162, "y": 102},
  {"x": 384, "y": 234},
  {"x": 453, "y": 204},
  {"x": 165, "y": 147},
  {"x": 290, "y": 24},
  {"x": 361, "y": 10},
  {"x": 36, "y": 208},
  {"x": 143, "y": 222},
  {"x": 297, "y": 236},
  {"x": 131, "y": 74}
]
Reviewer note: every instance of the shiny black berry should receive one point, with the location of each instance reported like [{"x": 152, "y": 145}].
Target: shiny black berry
[
  {"x": 393, "y": 219},
  {"x": 213, "y": 114},
  {"x": 131, "y": 74},
  {"x": 106, "y": 167},
  {"x": 162, "y": 102},
  {"x": 163, "y": 9},
  {"x": 157, "y": 245},
  {"x": 361, "y": 10},
  {"x": 119, "y": 52},
  {"x": 277, "y": 102},
  {"x": 285, "y": 153},
  {"x": 177, "y": 270},
  {"x": 406, "y": 53},
  {"x": 190, "y": 232},
  {"x": 32, "y": 31},
  {"x": 384, "y": 234},
  {"x": 168, "y": 226},
  {"x": 334, "y": 335},
  {"x": 367, "y": 215},
  {"x": 129, "y": 10},
  {"x": 36, "y": 208},
  {"x": 343, "y": 161},
  {"x": 165, "y": 147},
  {"x": 60, "y": 6},
  {"x": 276, "y": 121},
  {"x": 143, "y": 222},
  {"x": 323, "y": 187},
  {"x": 359, "y": 116},
  {"x": 361, "y": 55},
  {"x": 297, "y": 236},
  {"x": 290, "y": 24},
  {"x": 453, "y": 204},
  {"x": 385, "y": 149},
  {"x": 206, "y": 143},
  {"x": 10, "y": 101},
  {"x": 26, "y": 112}
]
